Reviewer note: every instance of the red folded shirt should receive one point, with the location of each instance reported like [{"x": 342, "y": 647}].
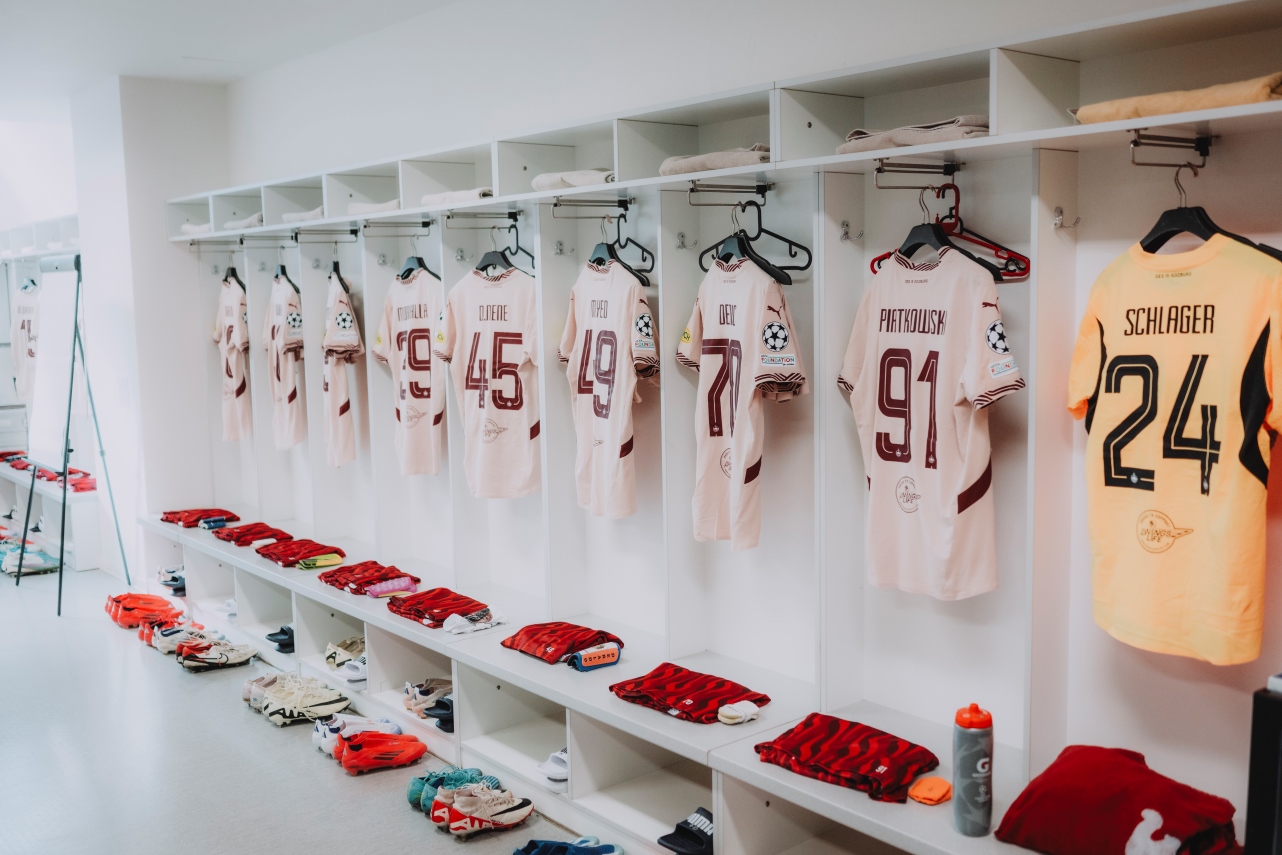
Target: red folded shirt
[
  {"x": 1130, "y": 808},
  {"x": 357, "y": 578},
  {"x": 244, "y": 535},
  {"x": 685, "y": 694},
  {"x": 9, "y": 455},
  {"x": 287, "y": 553},
  {"x": 849, "y": 754},
  {"x": 431, "y": 608},
  {"x": 22, "y": 464},
  {"x": 191, "y": 518},
  {"x": 558, "y": 640}
]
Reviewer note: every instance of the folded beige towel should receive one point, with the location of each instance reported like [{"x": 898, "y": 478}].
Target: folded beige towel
[
  {"x": 247, "y": 223},
  {"x": 303, "y": 216},
  {"x": 573, "y": 178},
  {"x": 1224, "y": 95},
  {"x": 957, "y": 128},
  {"x": 373, "y": 207},
  {"x": 681, "y": 164},
  {"x": 193, "y": 229},
  {"x": 456, "y": 197}
]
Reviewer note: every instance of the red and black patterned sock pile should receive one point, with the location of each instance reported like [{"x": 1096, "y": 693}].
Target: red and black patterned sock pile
[
  {"x": 850, "y": 754},
  {"x": 191, "y": 518},
  {"x": 245, "y": 535},
  {"x": 431, "y": 608},
  {"x": 557, "y": 641},
  {"x": 287, "y": 553},
  {"x": 357, "y": 578},
  {"x": 685, "y": 694}
]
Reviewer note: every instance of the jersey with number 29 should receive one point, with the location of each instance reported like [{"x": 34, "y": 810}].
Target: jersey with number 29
[
  {"x": 1173, "y": 372},
  {"x": 927, "y": 355},
  {"x": 490, "y": 338}
]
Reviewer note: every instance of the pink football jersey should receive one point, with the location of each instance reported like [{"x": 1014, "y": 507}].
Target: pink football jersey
[
  {"x": 490, "y": 338},
  {"x": 608, "y": 343},
  {"x": 740, "y": 320},
  {"x": 231, "y": 334},
  {"x": 411, "y": 320},
  {"x": 927, "y": 354},
  {"x": 341, "y": 346},
  {"x": 283, "y": 339},
  {"x": 24, "y": 329}
]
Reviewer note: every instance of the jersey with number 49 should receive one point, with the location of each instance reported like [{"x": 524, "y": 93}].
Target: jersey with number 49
[
  {"x": 1173, "y": 373},
  {"x": 490, "y": 338},
  {"x": 608, "y": 343},
  {"x": 231, "y": 334},
  {"x": 283, "y": 339},
  {"x": 927, "y": 355},
  {"x": 742, "y": 341}
]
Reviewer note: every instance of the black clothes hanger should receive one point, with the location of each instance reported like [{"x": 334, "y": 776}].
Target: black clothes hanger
[
  {"x": 498, "y": 258},
  {"x": 231, "y": 276},
  {"x": 739, "y": 244},
  {"x": 413, "y": 262},
  {"x": 281, "y": 273},
  {"x": 1195, "y": 221},
  {"x": 30, "y": 283},
  {"x": 606, "y": 251},
  {"x": 933, "y": 235}
]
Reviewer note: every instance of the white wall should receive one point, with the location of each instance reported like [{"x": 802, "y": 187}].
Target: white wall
[
  {"x": 473, "y": 70},
  {"x": 37, "y": 172}
]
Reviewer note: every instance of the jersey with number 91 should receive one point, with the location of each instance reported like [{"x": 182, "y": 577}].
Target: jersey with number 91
[
  {"x": 489, "y": 336},
  {"x": 1173, "y": 373},
  {"x": 608, "y": 343},
  {"x": 927, "y": 355},
  {"x": 411, "y": 320}
]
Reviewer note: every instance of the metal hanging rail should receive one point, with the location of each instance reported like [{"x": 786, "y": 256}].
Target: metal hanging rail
[
  {"x": 512, "y": 216},
  {"x": 422, "y": 229},
  {"x": 559, "y": 202},
  {"x": 696, "y": 187},
  {"x": 886, "y": 166},
  {"x": 1199, "y": 144}
]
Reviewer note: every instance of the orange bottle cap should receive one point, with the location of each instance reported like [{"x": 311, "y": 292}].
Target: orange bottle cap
[{"x": 974, "y": 718}]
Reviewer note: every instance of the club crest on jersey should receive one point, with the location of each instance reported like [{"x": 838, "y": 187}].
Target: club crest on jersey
[
  {"x": 1157, "y": 532},
  {"x": 686, "y": 337},
  {"x": 727, "y": 462},
  {"x": 644, "y": 325},
  {"x": 775, "y": 336},
  {"x": 996, "y": 338},
  {"x": 345, "y": 320},
  {"x": 906, "y": 495},
  {"x": 490, "y": 430},
  {"x": 413, "y": 416}
]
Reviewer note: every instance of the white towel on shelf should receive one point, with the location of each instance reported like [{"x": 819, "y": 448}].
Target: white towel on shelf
[
  {"x": 957, "y": 128},
  {"x": 456, "y": 197},
  {"x": 373, "y": 207},
  {"x": 303, "y": 216},
  {"x": 194, "y": 229},
  {"x": 862, "y": 139},
  {"x": 573, "y": 178},
  {"x": 249, "y": 222},
  {"x": 681, "y": 164}
]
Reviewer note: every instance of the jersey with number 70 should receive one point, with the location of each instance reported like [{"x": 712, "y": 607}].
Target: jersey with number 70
[{"x": 489, "y": 335}]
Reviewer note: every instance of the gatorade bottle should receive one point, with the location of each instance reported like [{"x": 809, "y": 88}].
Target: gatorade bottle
[{"x": 973, "y": 771}]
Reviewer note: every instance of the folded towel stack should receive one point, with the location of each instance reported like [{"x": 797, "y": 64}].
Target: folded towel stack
[
  {"x": 573, "y": 178},
  {"x": 1259, "y": 90},
  {"x": 193, "y": 229},
  {"x": 681, "y": 164},
  {"x": 373, "y": 207},
  {"x": 957, "y": 128},
  {"x": 457, "y": 197},
  {"x": 247, "y": 223},
  {"x": 303, "y": 216}
]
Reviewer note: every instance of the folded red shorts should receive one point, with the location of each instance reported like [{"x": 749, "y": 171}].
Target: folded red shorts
[
  {"x": 558, "y": 640},
  {"x": 431, "y": 608},
  {"x": 192, "y": 517},
  {"x": 685, "y": 694},
  {"x": 849, "y": 754},
  {"x": 1130, "y": 808}
]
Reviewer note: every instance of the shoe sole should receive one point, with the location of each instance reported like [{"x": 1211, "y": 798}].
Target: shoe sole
[{"x": 464, "y": 826}]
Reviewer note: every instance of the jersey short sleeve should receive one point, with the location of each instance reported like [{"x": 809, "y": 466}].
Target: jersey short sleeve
[
  {"x": 570, "y": 337},
  {"x": 991, "y": 372},
  {"x": 645, "y": 358},
  {"x": 383, "y": 344},
  {"x": 780, "y": 375},
  {"x": 240, "y": 328},
  {"x": 293, "y": 324},
  {"x": 530, "y": 332},
  {"x": 267, "y": 326},
  {"x": 446, "y": 336},
  {"x": 1088, "y": 363},
  {"x": 856, "y": 350},
  {"x": 690, "y": 349}
]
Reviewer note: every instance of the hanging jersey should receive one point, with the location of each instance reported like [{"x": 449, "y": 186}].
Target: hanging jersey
[
  {"x": 231, "y": 334},
  {"x": 927, "y": 355},
  {"x": 411, "y": 320},
  {"x": 490, "y": 338},
  {"x": 742, "y": 341},
  {"x": 1173, "y": 372},
  {"x": 283, "y": 340},
  {"x": 608, "y": 343},
  {"x": 341, "y": 346},
  {"x": 24, "y": 328}
]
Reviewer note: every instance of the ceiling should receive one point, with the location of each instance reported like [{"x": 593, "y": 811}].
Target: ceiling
[{"x": 50, "y": 49}]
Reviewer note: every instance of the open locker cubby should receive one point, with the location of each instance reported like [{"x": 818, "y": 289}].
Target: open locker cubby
[
  {"x": 441, "y": 172},
  {"x": 232, "y": 207},
  {"x": 367, "y": 185},
  {"x": 194, "y": 211},
  {"x": 816, "y": 113},
  {"x": 521, "y": 159},
  {"x": 210, "y": 584},
  {"x": 263, "y": 607},
  {"x": 393, "y": 662},
  {"x": 699, "y": 126},
  {"x": 296, "y": 196},
  {"x": 317, "y": 625},
  {"x": 632, "y": 788}
]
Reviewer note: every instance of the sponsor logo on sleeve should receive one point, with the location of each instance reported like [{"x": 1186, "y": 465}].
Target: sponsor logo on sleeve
[
  {"x": 776, "y": 360},
  {"x": 440, "y": 336},
  {"x": 686, "y": 337},
  {"x": 644, "y": 325},
  {"x": 996, "y": 338},
  {"x": 775, "y": 336},
  {"x": 1002, "y": 366}
]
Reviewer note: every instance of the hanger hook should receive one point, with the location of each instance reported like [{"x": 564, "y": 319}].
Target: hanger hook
[
  {"x": 921, "y": 200},
  {"x": 494, "y": 241},
  {"x": 1180, "y": 187},
  {"x": 605, "y": 221}
]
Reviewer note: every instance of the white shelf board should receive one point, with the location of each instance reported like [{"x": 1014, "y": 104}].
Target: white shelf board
[
  {"x": 588, "y": 693},
  {"x": 650, "y": 805},
  {"x": 522, "y": 747},
  {"x": 45, "y": 489},
  {"x": 913, "y": 827}
]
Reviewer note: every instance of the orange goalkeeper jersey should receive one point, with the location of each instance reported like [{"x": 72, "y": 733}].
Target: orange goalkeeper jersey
[{"x": 1173, "y": 372}]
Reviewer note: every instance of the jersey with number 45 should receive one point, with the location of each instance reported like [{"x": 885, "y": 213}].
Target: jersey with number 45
[
  {"x": 490, "y": 338},
  {"x": 608, "y": 343},
  {"x": 927, "y": 355},
  {"x": 1173, "y": 372}
]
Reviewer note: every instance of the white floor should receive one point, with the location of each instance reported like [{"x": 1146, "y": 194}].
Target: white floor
[{"x": 106, "y": 746}]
